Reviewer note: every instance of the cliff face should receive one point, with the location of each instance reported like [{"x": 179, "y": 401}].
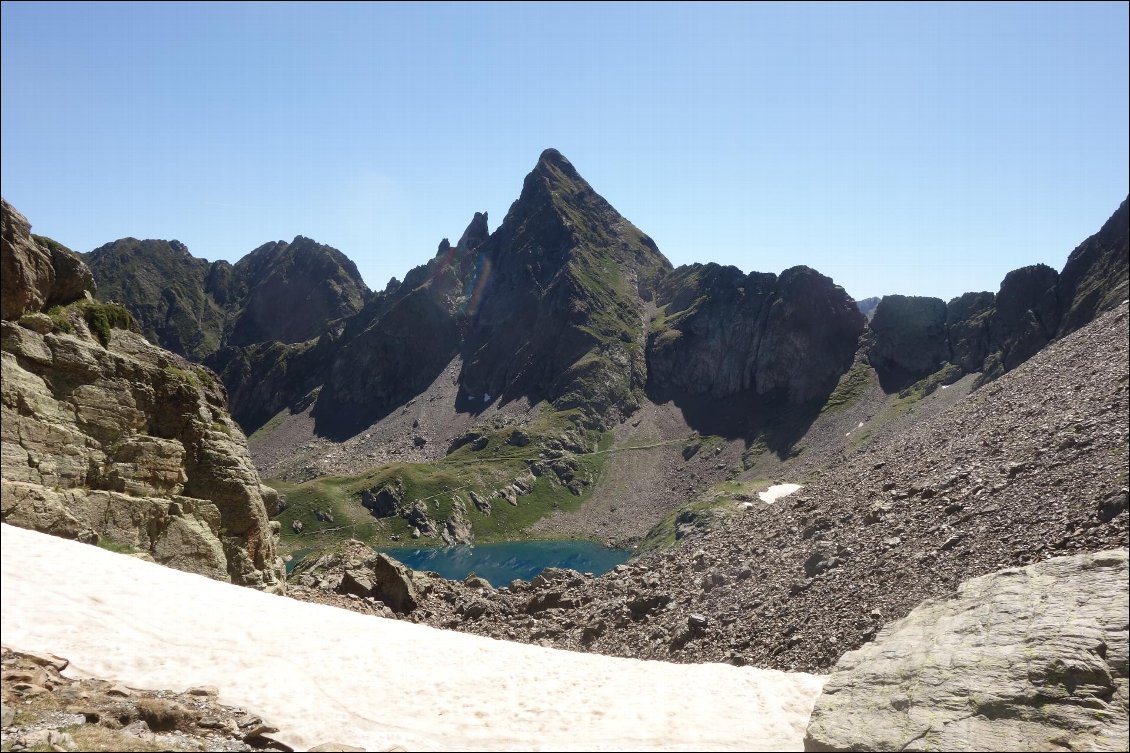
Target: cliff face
[
  {"x": 720, "y": 333},
  {"x": 109, "y": 439}
]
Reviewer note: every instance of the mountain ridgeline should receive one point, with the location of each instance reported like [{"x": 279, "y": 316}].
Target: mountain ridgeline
[{"x": 569, "y": 303}]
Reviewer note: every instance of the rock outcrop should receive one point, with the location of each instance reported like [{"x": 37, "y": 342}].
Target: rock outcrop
[
  {"x": 281, "y": 292},
  {"x": 36, "y": 272},
  {"x": 111, "y": 440},
  {"x": 1094, "y": 279},
  {"x": 1031, "y": 658},
  {"x": 909, "y": 339}
]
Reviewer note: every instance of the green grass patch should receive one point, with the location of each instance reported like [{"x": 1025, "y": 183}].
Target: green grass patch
[
  {"x": 265, "y": 430},
  {"x": 711, "y": 509},
  {"x": 183, "y": 375},
  {"x": 437, "y": 485},
  {"x": 60, "y": 320},
  {"x": 101, "y": 318},
  {"x": 116, "y": 546},
  {"x": 850, "y": 388}
]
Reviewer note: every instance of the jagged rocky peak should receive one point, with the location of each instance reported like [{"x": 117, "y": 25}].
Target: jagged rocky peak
[
  {"x": 107, "y": 438},
  {"x": 561, "y": 315},
  {"x": 476, "y": 233},
  {"x": 915, "y": 337}
]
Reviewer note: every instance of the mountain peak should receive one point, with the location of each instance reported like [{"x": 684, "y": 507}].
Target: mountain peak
[
  {"x": 553, "y": 166},
  {"x": 476, "y": 232}
]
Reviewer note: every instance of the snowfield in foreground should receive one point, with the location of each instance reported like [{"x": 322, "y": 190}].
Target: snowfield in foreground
[{"x": 322, "y": 674}]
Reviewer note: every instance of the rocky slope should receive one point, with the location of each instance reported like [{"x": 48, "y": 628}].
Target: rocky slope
[
  {"x": 795, "y": 584},
  {"x": 111, "y": 440},
  {"x": 1031, "y": 658}
]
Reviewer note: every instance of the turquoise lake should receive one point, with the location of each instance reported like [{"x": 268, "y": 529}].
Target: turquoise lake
[{"x": 512, "y": 560}]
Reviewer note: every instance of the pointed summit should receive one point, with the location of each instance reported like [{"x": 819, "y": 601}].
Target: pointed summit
[{"x": 475, "y": 234}]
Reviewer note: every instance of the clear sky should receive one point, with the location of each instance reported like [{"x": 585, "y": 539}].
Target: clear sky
[{"x": 920, "y": 149}]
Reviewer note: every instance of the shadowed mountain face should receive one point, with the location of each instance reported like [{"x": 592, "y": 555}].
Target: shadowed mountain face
[
  {"x": 284, "y": 292},
  {"x": 561, "y": 315}
]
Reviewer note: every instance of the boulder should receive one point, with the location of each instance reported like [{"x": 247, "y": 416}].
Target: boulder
[
  {"x": 394, "y": 584},
  {"x": 1031, "y": 658}
]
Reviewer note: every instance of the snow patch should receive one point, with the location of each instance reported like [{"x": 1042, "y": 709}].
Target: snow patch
[
  {"x": 323, "y": 674},
  {"x": 775, "y": 492}
]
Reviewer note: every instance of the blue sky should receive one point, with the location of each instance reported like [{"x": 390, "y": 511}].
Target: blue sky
[{"x": 921, "y": 149}]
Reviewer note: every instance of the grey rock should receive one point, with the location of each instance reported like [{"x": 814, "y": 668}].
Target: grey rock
[{"x": 1022, "y": 659}]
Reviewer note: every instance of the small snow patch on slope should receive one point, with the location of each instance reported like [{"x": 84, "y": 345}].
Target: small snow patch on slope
[{"x": 775, "y": 492}]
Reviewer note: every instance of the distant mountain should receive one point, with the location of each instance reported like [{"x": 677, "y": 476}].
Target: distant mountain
[
  {"x": 915, "y": 337},
  {"x": 867, "y": 306},
  {"x": 286, "y": 292}
]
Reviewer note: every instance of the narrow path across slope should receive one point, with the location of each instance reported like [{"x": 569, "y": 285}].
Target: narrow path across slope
[{"x": 324, "y": 674}]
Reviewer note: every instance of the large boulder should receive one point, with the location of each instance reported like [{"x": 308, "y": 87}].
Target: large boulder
[{"x": 1031, "y": 658}]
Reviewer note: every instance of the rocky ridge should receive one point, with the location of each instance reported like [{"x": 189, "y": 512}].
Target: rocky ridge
[
  {"x": 110, "y": 440},
  {"x": 916, "y": 336}
]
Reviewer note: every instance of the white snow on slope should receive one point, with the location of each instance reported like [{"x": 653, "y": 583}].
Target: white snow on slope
[
  {"x": 323, "y": 674},
  {"x": 775, "y": 492}
]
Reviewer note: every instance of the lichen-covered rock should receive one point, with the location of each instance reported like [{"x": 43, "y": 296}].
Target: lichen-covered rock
[
  {"x": 1031, "y": 658},
  {"x": 123, "y": 442}
]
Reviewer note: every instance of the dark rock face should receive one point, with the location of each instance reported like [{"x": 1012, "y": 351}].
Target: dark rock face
[
  {"x": 280, "y": 293},
  {"x": 811, "y": 333},
  {"x": 721, "y": 333},
  {"x": 909, "y": 339},
  {"x": 167, "y": 291},
  {"x": 293, "y": 291},
  {"x": 560, "y": 316},
  {"x": 1025, "y": 320},
  {"x": 36, "y": 272},
  {"x": 1095, "y": 276},
  {"x": 967, "y": 328},
  {"x": 914, "y": 337}
]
